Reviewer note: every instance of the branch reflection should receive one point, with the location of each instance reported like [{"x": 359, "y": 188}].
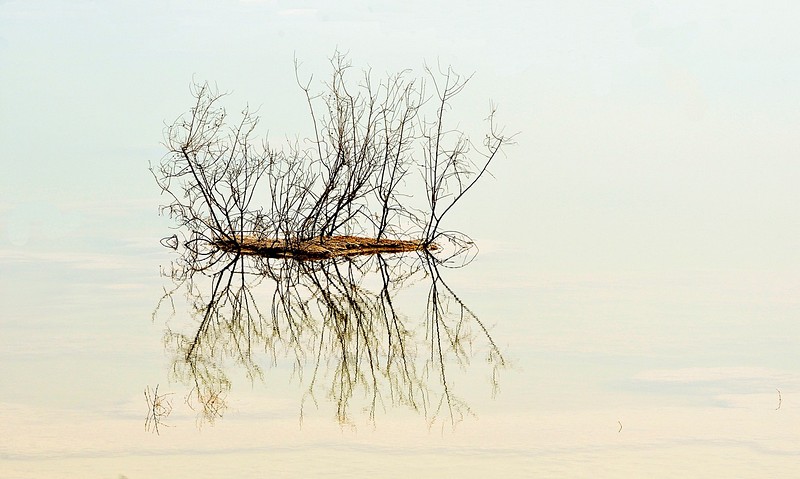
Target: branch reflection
[{"x": 337, "y": 320}]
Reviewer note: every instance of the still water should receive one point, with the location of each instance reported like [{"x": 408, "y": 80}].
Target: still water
[{"x": 605, "y": 373}]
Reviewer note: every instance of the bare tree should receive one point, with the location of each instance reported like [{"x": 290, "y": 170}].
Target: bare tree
[
  {"x": 344, "y": 199},
  {"x": 374, "y": 146}
]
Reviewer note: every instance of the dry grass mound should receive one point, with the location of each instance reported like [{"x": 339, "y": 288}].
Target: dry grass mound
[{"x": 321, "y": 247}]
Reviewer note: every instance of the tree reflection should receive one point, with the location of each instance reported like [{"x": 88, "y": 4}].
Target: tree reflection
[{"x": 336, "y": 320}]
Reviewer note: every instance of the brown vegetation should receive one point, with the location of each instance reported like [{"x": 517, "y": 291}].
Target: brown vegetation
[
  {"x": 321, "y": 247},
  {"x": 384, "y": 162}
]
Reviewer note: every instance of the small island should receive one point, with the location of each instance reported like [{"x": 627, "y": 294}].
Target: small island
[{"x": 320, "y": 248}]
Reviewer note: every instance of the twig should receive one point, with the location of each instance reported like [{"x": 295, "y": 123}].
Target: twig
[{"x": 158, "y": 408}]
